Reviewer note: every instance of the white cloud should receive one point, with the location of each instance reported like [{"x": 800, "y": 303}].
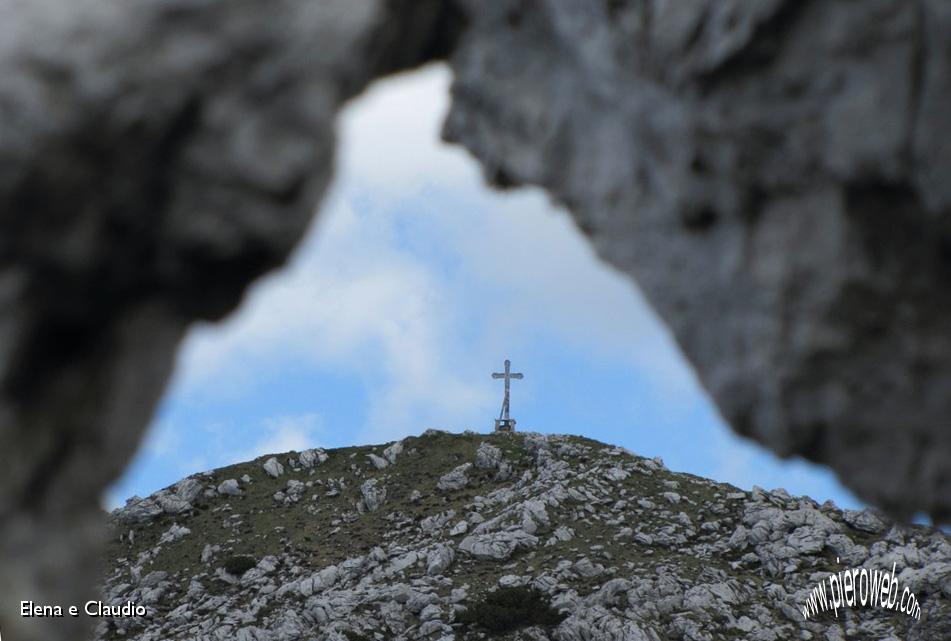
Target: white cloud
[
  {"x": 285, "y": 433},
  {"x": 389, "y": 136},
  {"x": 411, "y": 249},
  {"x": 418, "y": 280}
]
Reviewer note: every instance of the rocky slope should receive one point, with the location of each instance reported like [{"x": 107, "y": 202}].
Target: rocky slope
[{"x": 398, "y": 541}]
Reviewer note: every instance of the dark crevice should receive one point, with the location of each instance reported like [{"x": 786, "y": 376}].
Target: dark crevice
[
  {"x": 414, "y": 32},
  {"x": 763, "y": 46}
]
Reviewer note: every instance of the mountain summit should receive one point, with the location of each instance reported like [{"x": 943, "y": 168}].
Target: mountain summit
[{"x": 508, "y": 536}]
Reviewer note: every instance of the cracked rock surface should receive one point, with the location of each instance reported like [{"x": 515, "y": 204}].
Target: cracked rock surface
[
  {"x": 155, "y": 157},
  {"x": 776, "y": 177},
  {"x": 593, "y": 528}
]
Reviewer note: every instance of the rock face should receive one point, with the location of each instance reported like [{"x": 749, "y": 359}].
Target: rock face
[
  {"x": 586, "y": 524},
  {"x": 155, "y": 157},
  {"x": 775, "y": 177}
]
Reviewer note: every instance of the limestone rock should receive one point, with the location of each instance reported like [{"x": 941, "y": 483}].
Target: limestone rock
[
  {"x": 488, "y": 457},
  {"x": 864, "y": 520},
  {"x": 174, "y": 533},
  {"x": 273, "y": 467},
  {"x": 456, "y": 479},
  {"x": 715, "y": 564},
  {"x": 496, "y": 546},
  {"x": 138, "y": 510},
  {"x": 374, "y": 495},
  {"x": 188, "y": 489},
  {"x": 439, "y": 559},
  {"x": 378, "y": 461},
  {"x": 312, "y": 457},
  {"x": 229, "y": 487},
  {"x": 392, "y": 451}
]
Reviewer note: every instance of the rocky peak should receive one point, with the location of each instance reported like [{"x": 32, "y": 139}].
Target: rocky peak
[{"x": 401, "y": 541}]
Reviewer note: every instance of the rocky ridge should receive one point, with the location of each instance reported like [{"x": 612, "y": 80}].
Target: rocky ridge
[{"x": 396, "y": 542}]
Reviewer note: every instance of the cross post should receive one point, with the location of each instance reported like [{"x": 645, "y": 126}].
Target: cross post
[{"x": 503, "y": 423}]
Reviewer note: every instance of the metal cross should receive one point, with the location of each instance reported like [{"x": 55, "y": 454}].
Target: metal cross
[{"x": 507, "y": 375}]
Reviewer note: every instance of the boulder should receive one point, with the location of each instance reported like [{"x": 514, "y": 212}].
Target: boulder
[
  {"x": 273, "y": 468},
  {"x": 456, "y": 479},
  {"x": 392, "y": 451},
  {"x": 312, "y": 457},
  {"x": 138, "y": 510},
  {"x": 373, "y": 495},
  {"x": 188, "y": 489},
  {"x": 378, "y": 461},
  {"x": 496, "y": 546},
  {"x": 439, "y": 559},
  {"x": 229, "y": 487},
  {"x": 488, "y": 457}
]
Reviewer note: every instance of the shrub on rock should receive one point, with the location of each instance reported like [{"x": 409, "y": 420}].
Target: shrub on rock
[
  {"x": 238, "y": 564},
  {"x": 509, "y": 608}
]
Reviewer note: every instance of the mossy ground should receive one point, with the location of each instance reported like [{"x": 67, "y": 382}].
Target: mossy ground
[{"x": 328, "y": 530}]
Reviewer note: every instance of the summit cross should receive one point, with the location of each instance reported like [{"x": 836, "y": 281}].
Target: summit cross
[{"x": 503, "y": 423}]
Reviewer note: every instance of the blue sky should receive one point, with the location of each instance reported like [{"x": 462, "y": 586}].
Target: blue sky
[{"x": 412, "y": 287}]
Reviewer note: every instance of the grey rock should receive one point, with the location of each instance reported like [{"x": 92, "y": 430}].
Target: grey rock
[
  {"x": 505, "y": 472},
  {"x": 592, "y": 623},
  {"x": 488, "y": 457},
  {"x": 615, "y": 474},
  {"x": 628, "y": 572},
  {"x": 456, "y": 479},
  {"x": 392, "y": 451},
  {"x": 781, "y": 200},
  {"x": 378, "y": 461},
  {"x": 439, "y": 559},
  {"x": 864, "y": 520},
  {"x": 155, "y": 160},
  {"x": 208, "y": 553},
  {"x": 496, "y": 546},
  {"x": 295, "y": 488},
  {"x": 188, "y": 489},
  {"x": 586, "y": 568},
  {"x": 229, "y": 487},
  {"x": 312, "y": 457},
  {"x": 373, "y": 495},
  {"x": 174, "y": 533},
  {"x": 273, "y": 467},
  {"x": 319, "y": 581},
  {"x": 138, "y": 510},
  {"x": 172, "y": 503}
]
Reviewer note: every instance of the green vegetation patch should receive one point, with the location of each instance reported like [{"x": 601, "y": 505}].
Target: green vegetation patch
[
  {"x": 508, "y": 609},
  {"x": 238, "y": 564}
]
